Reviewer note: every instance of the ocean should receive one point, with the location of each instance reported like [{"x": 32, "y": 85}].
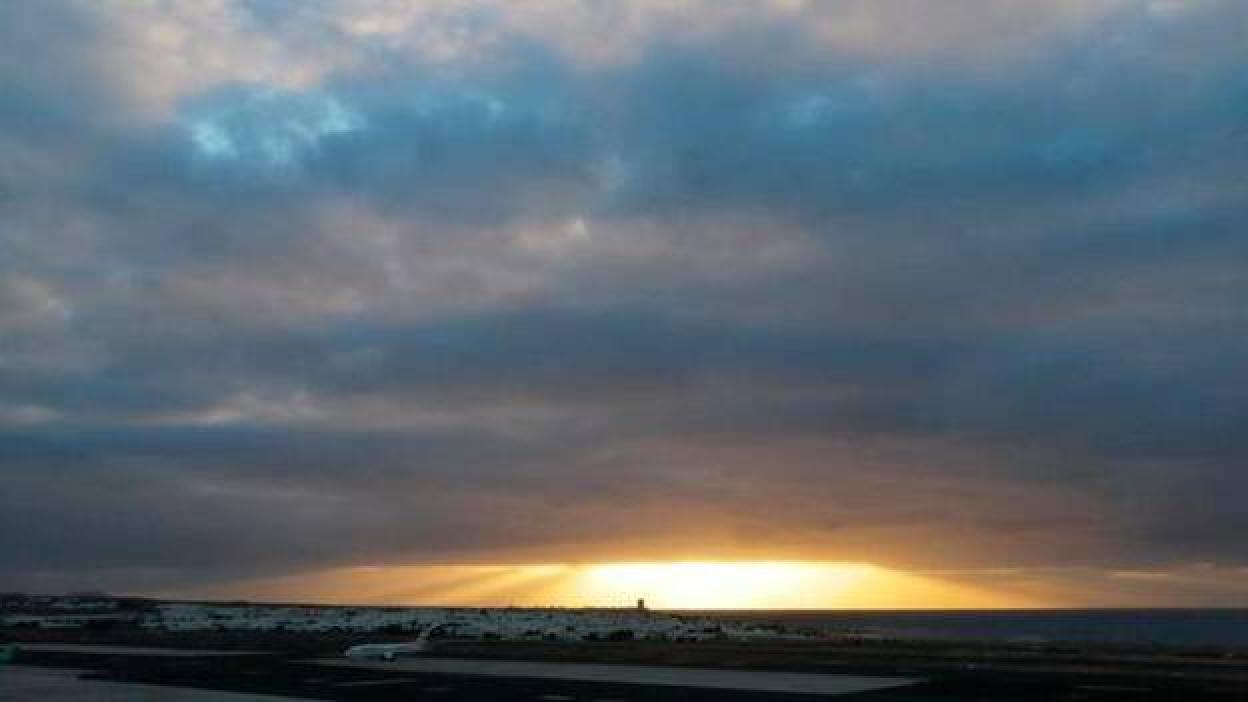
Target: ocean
[{"x": 1166, "y": 627}]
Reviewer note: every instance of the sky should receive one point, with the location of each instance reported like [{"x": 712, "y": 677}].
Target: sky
[{"x": 347, "y": 299}]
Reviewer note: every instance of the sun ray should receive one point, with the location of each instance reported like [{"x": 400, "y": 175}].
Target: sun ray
[{"x": 679, "y": 585}]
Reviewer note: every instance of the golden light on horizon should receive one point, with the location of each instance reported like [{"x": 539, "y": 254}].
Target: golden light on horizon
[
  {"x": 772, "y": 585},
  {"x": 689, "y": 585},
  {"x": 718, "y": 585}
]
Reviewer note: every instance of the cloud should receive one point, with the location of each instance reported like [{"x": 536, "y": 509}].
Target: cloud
[{"x": 368, "y": 283}]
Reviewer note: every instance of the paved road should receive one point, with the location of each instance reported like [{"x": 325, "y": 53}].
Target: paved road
[
  {"x": 26, "y": 684},
  {"x": 754, "y": 681}
]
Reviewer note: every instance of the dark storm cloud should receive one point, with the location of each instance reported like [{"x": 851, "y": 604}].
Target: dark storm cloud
[{"x": 726, "y": 290}]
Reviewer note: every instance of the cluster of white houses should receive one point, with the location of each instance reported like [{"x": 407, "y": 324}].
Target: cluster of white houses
[
  {"x": 501, "y": 624},
  {"x": 61, "y": 611}
]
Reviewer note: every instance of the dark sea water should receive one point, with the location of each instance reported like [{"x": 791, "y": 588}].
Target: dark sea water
[{"x": 1168, "y": 627}]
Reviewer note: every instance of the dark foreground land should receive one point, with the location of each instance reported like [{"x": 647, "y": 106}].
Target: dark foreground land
[{"x": 948, "y": 671}]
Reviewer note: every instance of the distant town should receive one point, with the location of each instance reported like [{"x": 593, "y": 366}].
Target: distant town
[{"x": 106, "y": 613}]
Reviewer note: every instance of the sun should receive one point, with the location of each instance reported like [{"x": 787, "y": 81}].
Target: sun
[{"x": 720, "y": 585}]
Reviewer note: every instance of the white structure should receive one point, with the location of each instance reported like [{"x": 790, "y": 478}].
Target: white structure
[
  {"x": 65, "y": 621},
  {"x": 462, "y": 623}
]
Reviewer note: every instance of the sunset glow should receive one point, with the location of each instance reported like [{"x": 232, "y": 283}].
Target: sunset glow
[
  {"x": 679, "y": 585},
  {"x": 712, "y": 585}
]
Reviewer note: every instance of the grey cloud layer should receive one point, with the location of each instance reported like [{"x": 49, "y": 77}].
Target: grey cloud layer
[{"x": 707, "y": 293}]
